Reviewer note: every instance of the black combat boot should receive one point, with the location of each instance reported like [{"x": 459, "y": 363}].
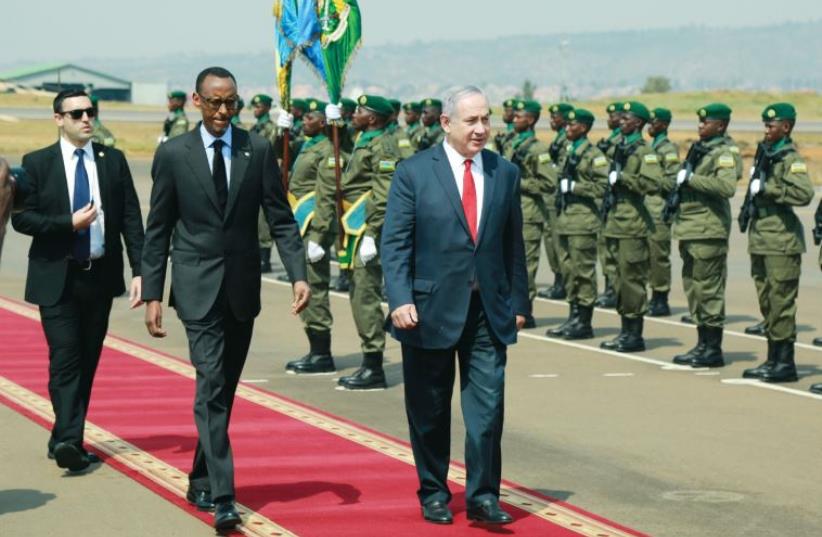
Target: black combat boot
[
  {"x": 368, "y": 377},
  {"x": 608, "y": 298},
  {"x": 319, "y": 360},
  {"x": 784, "y": 370},
  {"x": 623, "y": 333},
  {"x": 558, "y": 289},
  {"x": 761, "y": 369},
  {"x": 817, "y": 341},
  {"x": 659, "y": 304},
  {"x": 581, "y": 328},
  {"x": 633, "y": 342},
  {"x": 265, "y": 260},
  {"x": 699, "y": 348},
  {"x": 687, "y": 319},
  {"x": 757, "y": 329},
  {"x": 712, "y": 356},
  {"x": 816, "y": 388},
  {"x": 343, "y": 283},
  {"x": 559, "y": 331}
]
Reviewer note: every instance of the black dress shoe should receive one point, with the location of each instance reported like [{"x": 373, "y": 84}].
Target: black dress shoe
[
  {"x": 489, "y": 512},
  {"x": 365, "y": 379},
  {"x": 93, "y": 458},
  {"x": 437, "y": 512},
  {"x": 316, "y": 364},
  {"x": 201, "y": 499},
  {"x": 70, "y": 457},
  {"x": 226, "y": 516}
]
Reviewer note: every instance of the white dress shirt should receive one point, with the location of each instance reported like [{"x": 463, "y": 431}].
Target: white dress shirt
[
  {"x": 457, "y": 163},
  {"x": 209, "y": 139},
  {"x": 97, "y": 228}
]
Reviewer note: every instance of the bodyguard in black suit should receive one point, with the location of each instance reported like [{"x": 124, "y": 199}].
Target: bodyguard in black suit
[
  {"x": 80, "y": 201},
  {"x": 454, "y": 262},
  {"x": 209, "y": 186}
]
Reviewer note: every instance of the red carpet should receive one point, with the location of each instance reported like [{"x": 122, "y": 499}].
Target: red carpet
[{"x": 309, "y": 472}]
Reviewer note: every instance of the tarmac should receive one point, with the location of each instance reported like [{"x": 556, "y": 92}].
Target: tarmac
[{"x": 666, "y": 450}]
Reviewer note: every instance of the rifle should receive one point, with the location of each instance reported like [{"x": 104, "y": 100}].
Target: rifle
[
  {"x": 695, "y": 154},
  {"x": 748, "y": 211},
  {"x": 569, "y": 172},
  {"x": 610, "y": 199}
]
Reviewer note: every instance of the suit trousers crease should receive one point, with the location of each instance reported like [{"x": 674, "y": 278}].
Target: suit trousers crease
[{"x": 429, "y": 380}]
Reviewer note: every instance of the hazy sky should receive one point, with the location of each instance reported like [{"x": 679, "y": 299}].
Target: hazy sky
[{"x": 52, "y": 30}]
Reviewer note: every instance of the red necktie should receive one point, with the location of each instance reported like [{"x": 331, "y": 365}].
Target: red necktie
[{"x": 469, "y": 200}]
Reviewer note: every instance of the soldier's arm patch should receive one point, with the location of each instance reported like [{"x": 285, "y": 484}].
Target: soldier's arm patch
[
  {"x": 799, "y": 167},
  {"x": 600, "y": 161},
  {"x": 387, "y": 165},
  {"x": 544, "y": 157},
  {"x": 726, "y": 161},
  {"x": 734, "y": 149},
  {"x": 405, "y": 142},
  {"x": 671, "y": 157},
  {"x": 651, "y": 158}
]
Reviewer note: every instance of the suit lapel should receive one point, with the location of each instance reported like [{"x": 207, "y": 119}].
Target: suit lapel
[
  {"x": 489, "y": 169},
  {"x": 59, "y": 177},
  {"x": 198, "y": 162},
  {"x": 240, "y": 157},
  {"x": 442, "y": 169}
]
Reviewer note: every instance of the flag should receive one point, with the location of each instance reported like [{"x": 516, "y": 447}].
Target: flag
[{"x": 295, "y": 28}]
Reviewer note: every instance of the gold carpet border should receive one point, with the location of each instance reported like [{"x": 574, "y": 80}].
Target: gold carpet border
[{"x": 535, "y": 505}]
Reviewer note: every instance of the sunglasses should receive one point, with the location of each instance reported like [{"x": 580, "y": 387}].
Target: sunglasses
[
  {"x": 78, "y": 114},
  {"x": 216, "y": 104}
]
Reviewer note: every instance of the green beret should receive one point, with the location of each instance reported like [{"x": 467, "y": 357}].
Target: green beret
[
  {"x": 261, "y": 98},
  {"x": 561, "y": 109},
  {"x": 662, "y": 114},
  {"x": 637, "y": 109},
  {"x": 436, "y": 103},
  {"x": 396, "y": 105},
  {"x": 299, "y": 104},
  {"x": 348, "y": 104},
  {"x": 177, "y": 94},
  {"x": 532, "y": 107},
  {"x": 509, "y": 103},
  {"x": 715, "y": 111},
  {"x": 378, "y": 105},
  {"x": 412, "y": 106},
  {"x": 777, "y": 111},
  {"x": 581, "y": 115},
  {"x": 614, "y": 107},
  {"x": 314, "y": 105}
]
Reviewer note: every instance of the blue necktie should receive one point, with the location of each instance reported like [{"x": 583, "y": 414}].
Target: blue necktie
[{"x": 82, "y": 197}]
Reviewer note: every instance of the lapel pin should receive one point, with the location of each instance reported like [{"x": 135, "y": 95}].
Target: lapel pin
[
  {"x": 246, "y": 153},
  {"x": 101, "y": 154}
]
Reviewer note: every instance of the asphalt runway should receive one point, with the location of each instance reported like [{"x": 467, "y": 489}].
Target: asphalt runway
[{"x": 666, "y": 450}]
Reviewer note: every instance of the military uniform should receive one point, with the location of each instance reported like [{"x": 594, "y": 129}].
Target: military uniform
[
  {"x": 347, "y": 132},
  {"x": 176, "y": 123},
  {"x": 584, "y": 170},
  {"x": 413, "y": 130},
  {"x": 268, "y": 130},
  {"x": 776, "y": 243},
  {"x": 659, "y": 242},
  {"x": 607, "y": 263},
  {"x": 627, "y": 227},
  {"x": 504, "y": 138},
  {"x": 235, "y": 117},
  {"x": 432, "y": 134},
  {"x": 101, "y": 134},
  {"x": 401, "y": 139}
]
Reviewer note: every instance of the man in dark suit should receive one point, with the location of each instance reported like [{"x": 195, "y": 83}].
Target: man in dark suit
[
  {"x": 80, "y": 201},
  {"x": 455, "y": 276},
  {"x": 209, "y": 186}
]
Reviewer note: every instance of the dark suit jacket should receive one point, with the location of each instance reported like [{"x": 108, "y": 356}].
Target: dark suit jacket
[
  {"x": 46, "y": 216},
  {"x": 210, "y": 249},
  {"x": 429, "y": 259}
]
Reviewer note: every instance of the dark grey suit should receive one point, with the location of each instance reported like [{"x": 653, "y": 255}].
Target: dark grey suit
[{"x": 215, "y": 276}]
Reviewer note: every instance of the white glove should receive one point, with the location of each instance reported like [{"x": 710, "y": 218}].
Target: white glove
[
  {"x": 613, "y": 177},
  {"x": 566, "y": 185},
  {"x": 162, "y": 139},
  {"x": 753, "y": 171},
  {"x": 285, "y": 120},
  {"x": 333, "y": 112},
  {"x": 315, "y": 252},
  {"x": 368, "y": 250},
  {"x": 681, "y": 177},
  {"x": 756, "y": 186}
]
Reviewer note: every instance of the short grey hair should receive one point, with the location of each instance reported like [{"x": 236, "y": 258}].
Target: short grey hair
[{"x": 450, "y": 105}]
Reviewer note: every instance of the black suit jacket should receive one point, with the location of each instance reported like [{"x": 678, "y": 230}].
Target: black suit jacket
[
  {"x": 46, "y": 216},
  {"x": 211, "y": 249}
]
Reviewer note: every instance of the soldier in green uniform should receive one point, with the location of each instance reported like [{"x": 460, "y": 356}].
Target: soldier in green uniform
[
  {"x": 559, "y": 118},
  {"x": 776, "y": 241},
  {"x": 312, "y": 195},
  {"x": 635, "y": 172},
  {"x": 608, "y": 264},
  {"x": 413, "y": 126},
  {"x": 702, "y": 224},
  {"x": 533, "y": 159},
  {"x": 365, "y": 187},
  {"x": 660, "y": 240},
  {"x": 433, "y": 133},
  {"x": 583, "y": 179},
  {"x": 261, "y": 107},
  {"x": 100, "y": 133},
  {"x": 393, "y": 128},
  {"x": 235, "y": 117},
  {"x": 348, "y": 134},
  {"x": 176, "y": 123},
  {"x": 506, "y": 136}
]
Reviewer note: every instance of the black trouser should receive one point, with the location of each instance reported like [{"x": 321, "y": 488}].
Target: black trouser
[
  {"x": 429, "y": 383},
  {"x": 75, "y": 328},
  {"x": 218, "y": 345}
]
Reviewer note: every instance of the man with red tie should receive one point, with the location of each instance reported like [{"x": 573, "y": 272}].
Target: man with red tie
[{"x": 454, "y": 265}]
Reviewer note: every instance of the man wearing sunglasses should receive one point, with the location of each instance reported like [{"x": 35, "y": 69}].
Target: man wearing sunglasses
[
  {"x": 209, "y": 186},
  {"x": 80, "y": 201}
]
